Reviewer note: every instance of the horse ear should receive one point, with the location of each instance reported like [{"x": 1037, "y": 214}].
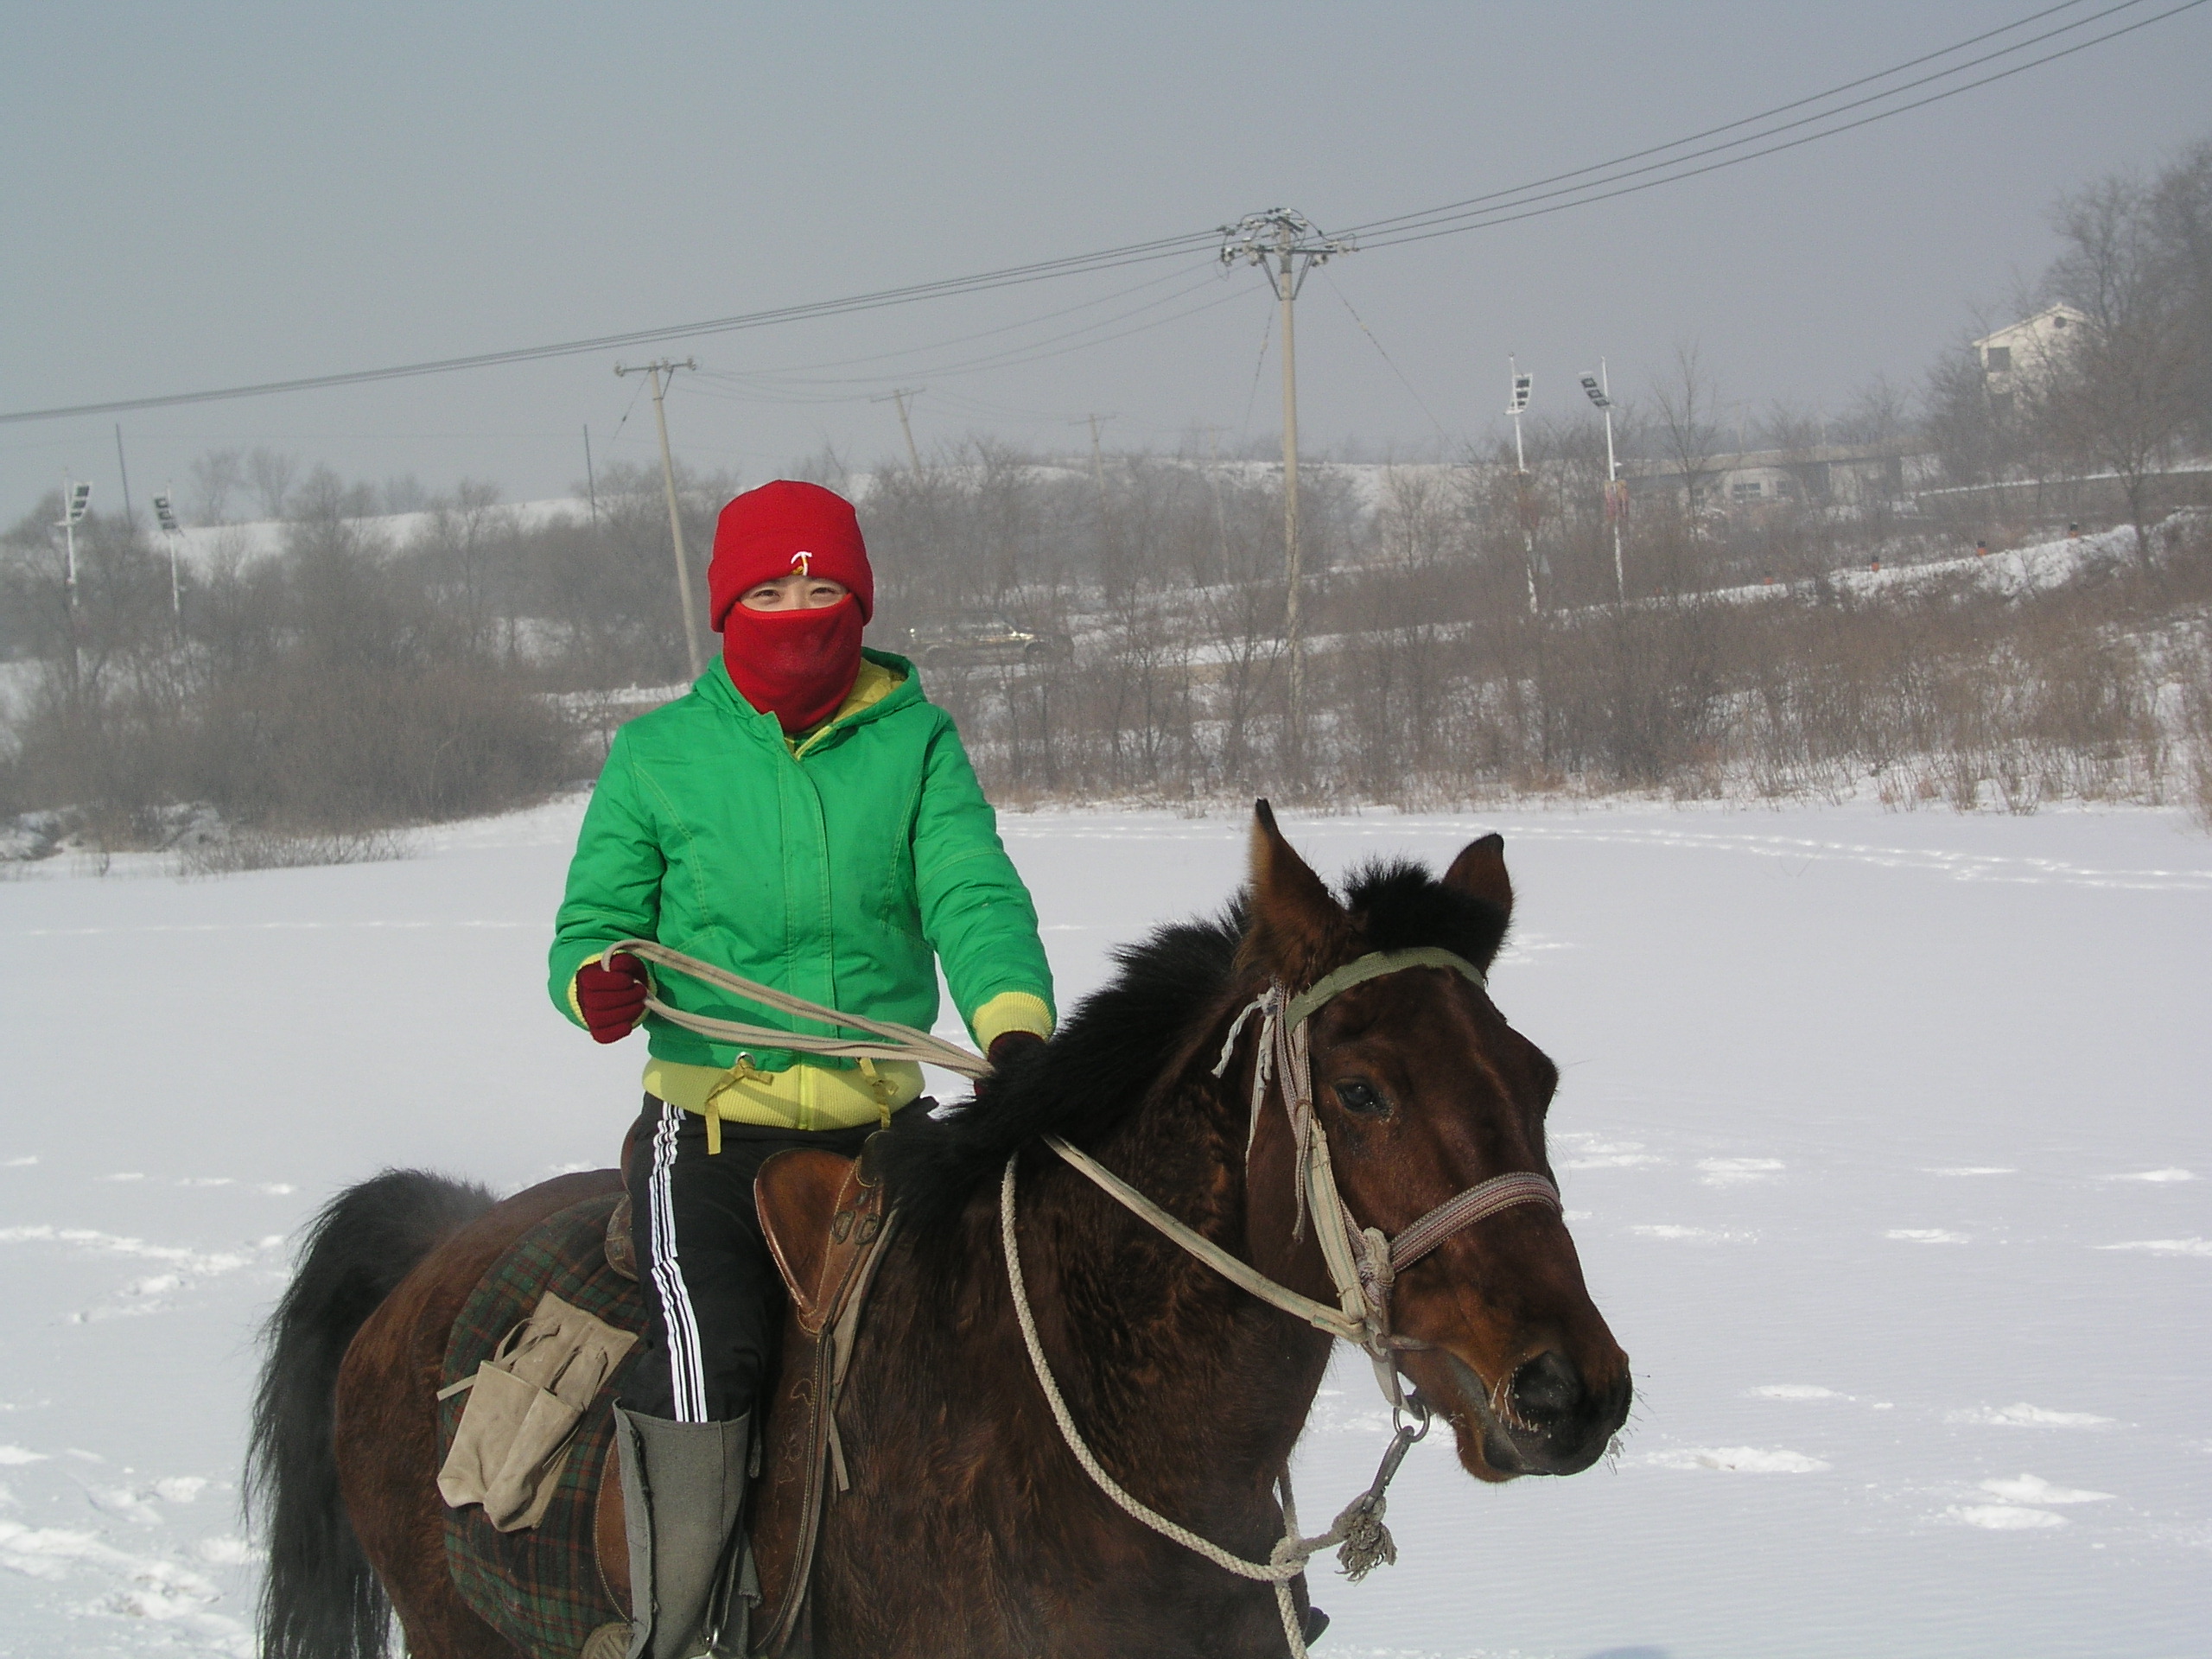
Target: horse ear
[
  {"x": 1298, "y": 927},
  {"x": 1479, "y": 873}
]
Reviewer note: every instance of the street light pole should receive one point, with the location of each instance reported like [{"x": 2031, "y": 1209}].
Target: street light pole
[
  {"x": 1601, "y": 393},
  {"x": 660, "y": 370},
  {"x": 1285, "y": 245},
  {"x": 172, "y": 533},
  {"x": 75, "y": 498},
  {"x": 1523, "y": 388}
]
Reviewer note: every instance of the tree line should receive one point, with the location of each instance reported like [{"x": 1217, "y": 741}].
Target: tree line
[{"x": 1472, "y": 630}]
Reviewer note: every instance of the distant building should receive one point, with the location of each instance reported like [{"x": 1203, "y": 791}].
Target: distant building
[
  {"x": 2020, "y": 355},
  {"x": 1823, "y": 475}
]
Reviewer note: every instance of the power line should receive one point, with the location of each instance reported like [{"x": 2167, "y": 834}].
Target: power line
[
  {"x": 1015, "y": 356},
  {"x": 1506, "y": 206},
  {"x": 1483, "y": 221},
  {"x": 1387, "y": 358},
  {"x": 1259, "y": 364},
  {"x": 1013, "y": 276},
  {"x": 1002, "y": 358},
  {"x": 979, "y": 334},
  {"x": 1377, "y": 225}
]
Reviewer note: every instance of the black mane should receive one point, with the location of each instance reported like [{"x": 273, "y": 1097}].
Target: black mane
[
  {"x": 1094, "y": 1072},
  {"x": 1111, "y": 1050}
]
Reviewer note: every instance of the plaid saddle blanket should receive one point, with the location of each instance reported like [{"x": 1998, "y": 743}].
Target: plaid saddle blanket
[{"x": 540, "y": 1587}]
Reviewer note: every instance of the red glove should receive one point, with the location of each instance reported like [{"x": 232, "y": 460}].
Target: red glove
[{"x": 612, "y": 997}]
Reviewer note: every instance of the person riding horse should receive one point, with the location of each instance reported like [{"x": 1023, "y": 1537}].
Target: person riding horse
[{"x": 806, "y": 818}]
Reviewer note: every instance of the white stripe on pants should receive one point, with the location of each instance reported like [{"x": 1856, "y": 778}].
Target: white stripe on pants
[{"x": 686, "y": 1369}]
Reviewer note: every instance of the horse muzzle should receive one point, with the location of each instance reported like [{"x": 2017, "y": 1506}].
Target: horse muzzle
[{"x": 1547, "y": 1417}]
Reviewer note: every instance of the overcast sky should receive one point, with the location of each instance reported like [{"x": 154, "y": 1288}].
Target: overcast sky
[{"x": 205, "y": 196}]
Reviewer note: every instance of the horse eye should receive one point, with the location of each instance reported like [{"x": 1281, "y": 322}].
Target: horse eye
[{"x": 1358, "y": 1095}]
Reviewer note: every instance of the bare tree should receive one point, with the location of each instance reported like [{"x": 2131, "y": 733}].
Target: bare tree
[
  {"x": 272, "y": 475},
  {"x": 324, "y": 496},
  {"x": 1961, "y": 427},
  {"x": 1879, "y": 413},
  {"x": 2180, "y": 210},
  {"x": 216, "y": 476},
  {"x": 2120, "y": 395},
  {"x": 404, "y": 492},
  {"x": 1685, "y": 405},
  {"x": 462, "y": 545}
]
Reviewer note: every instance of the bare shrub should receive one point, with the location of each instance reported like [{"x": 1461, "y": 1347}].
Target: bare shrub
[
  {"x": 2196, "y": 705},
  {"x": 256, "y": 849}
]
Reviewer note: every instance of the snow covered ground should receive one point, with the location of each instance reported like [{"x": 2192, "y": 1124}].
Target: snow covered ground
[{"x": 1884, "y": 1135}]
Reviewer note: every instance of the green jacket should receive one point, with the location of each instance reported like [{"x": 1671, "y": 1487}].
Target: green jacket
[{"x": 838, "y": 867}]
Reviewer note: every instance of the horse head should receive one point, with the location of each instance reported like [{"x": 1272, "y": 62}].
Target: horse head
[{"x": 1423, "y": 1091}]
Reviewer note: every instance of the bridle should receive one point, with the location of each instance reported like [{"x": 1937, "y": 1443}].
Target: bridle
[{"x": 1363, "y": 1265}]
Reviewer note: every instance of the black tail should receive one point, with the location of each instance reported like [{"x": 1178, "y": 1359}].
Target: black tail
[{"x": 320, "y": 1600}]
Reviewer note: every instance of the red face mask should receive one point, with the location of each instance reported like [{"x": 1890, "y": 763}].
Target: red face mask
[{"x": 797, "y": 665}]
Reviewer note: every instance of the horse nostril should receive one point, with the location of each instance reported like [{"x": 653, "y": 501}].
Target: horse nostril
[{"x": 1546, "y": 1390}]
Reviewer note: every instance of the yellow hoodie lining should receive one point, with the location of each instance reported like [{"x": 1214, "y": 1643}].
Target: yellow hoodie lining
[
  {"x": 803, "y": 1098},
  {"x": 871, "y": 685}
]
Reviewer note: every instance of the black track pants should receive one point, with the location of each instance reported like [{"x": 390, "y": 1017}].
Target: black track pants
[{"x": 714, "y": 1300}]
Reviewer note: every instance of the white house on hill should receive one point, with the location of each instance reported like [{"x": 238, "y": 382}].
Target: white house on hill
[{"x": 2020, "y": 355}]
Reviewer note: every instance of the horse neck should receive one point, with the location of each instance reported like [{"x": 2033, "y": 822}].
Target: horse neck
[{"x": 1150, "y": 1345}]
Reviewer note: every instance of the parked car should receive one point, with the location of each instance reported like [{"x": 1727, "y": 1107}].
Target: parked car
[{"x": 984, "y": 636}]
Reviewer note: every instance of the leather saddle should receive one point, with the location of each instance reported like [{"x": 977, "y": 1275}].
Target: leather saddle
[{"x": 826, "y": 1223}]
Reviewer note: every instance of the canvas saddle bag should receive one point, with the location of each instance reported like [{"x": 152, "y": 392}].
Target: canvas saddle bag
[{"x": 524, "y": 1403}]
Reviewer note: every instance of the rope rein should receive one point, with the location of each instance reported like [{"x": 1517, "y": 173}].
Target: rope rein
[
  {"x": 1366, "y": 1543},
  {"x": 893, "y": 1041}
]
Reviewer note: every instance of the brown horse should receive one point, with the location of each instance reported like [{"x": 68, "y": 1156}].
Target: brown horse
[{"x": 970, "y": 1528}]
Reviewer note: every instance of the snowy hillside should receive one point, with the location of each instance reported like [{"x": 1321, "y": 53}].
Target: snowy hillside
[
  {"x": 1883, "y": 1136},
  {"x": 203, "y": 546}
]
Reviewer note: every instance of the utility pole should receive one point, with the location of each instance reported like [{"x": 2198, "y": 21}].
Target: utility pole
[
  {"x": 663, "y": 370},
  {"x": 1524, "y": 386},
  {"x": 1097, "y": 458},
  {"x": 899, "y": 396},
  {"x": 1601, "y": 393},
  {"x": 124, "y": 467},
  {"x": 1286, "y": 245},
  {"x": 591, "y": 483}
]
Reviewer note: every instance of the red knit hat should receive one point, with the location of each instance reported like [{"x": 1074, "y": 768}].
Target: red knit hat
[{"x": 784, "y": 528}]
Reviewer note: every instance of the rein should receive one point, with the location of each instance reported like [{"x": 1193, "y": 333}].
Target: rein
[
  {"x": 1363, "y": 1263},
  {"x": 893, "y": 1040}
]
